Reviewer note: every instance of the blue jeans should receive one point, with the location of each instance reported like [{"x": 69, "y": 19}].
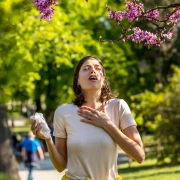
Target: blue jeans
[{"x": 30, "y": 176}]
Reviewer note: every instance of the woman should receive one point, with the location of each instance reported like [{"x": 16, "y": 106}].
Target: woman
[{"x": 89, "y": 131}]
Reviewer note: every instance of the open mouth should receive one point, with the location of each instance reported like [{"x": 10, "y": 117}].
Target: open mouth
[{"x": 93, "y": 78}]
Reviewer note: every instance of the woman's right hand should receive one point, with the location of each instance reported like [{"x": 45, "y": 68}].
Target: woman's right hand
[{"x": 36, "y": 129}]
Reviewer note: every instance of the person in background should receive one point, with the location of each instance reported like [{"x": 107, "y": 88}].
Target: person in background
[
  {"x": 89, "y": 130},
  {"x": 31, "y": 153},
  {"x": 19, "y": 145},
  {"x": 14, "y": 140}
]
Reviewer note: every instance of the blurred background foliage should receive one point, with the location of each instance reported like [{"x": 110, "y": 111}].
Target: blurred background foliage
[{"x": 37, "y": 59}]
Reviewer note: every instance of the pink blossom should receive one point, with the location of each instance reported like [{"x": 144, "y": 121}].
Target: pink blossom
[
  {"x": 140, "y": 35},
  {"x": 174, "y": 18},
  {"x": 130, "y": 6},
  {"x": 131, "y": 15},
  {"x": 133, "y": 12},
  {"x": 117, "y": 15},
  {"x": 168, "y": 35},
  {"x": 45, "y": 7},
  {"x": 152, "y": 15},
  {"x": 128, "y": 1},
  {"x": 149, "y": 38}
]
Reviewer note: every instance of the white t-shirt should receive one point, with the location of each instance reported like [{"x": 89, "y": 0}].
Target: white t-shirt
[{"x": 91, "y": 151}]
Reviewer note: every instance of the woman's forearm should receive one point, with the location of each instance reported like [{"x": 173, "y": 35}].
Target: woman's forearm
[
  {"x": 132, "y": 148},
  {"x": 57, "y": 158}
]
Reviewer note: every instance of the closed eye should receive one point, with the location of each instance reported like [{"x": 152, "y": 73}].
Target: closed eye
[
  {"x": 86, "y": 68},
  {"x": 98, "y": 68}
]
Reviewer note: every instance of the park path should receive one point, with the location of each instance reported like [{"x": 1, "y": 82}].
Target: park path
[{"x": 45, "y": 172}]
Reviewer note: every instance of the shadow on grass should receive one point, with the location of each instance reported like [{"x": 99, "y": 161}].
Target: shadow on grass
[
  {"x": 122, "y": 171},
  {"x": 122, "y": 158},
  {"x": 153, "y": 175}
]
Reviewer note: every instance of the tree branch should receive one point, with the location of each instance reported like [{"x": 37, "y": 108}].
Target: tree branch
[{"x": 136, "y": 12}]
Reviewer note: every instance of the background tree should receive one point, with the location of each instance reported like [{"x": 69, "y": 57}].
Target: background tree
[
  {"x": 168, "y": 126},
  {"x": 158, "y": 113},
  {"x": 8, "y": 164}
]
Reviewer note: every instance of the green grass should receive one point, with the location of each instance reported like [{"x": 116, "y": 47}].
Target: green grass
[
  {"x": 3, "y": 177},
  {"x": 148, "y": 139},
  {"x": 149, "y": 170}
]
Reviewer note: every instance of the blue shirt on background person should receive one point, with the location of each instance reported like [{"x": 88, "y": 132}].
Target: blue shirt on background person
[{"x": 31, "y": 144}]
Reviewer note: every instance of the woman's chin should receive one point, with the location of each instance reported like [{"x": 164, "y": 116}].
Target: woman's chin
[{"x": 93, "y": 89}]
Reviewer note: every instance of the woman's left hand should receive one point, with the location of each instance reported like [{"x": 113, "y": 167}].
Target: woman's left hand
[{"x": 94, "y": 117}]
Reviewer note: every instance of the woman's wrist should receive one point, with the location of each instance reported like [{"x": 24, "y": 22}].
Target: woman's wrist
[
  {"x": 49, "y": 140},
  {"x": 108, "y": 126}
]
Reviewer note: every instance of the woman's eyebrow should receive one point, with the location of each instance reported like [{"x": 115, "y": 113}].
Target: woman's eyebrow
[
  {"x": 85, "y": 66},
  {"x": 97, "y": 65}
]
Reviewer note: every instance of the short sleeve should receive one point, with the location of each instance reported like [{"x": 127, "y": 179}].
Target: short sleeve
[
  {"x": 59, "y": 124},
  {"x": 126, "y": 118},
  {"x": 37, "y": 143}
]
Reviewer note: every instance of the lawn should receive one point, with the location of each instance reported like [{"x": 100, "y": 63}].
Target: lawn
[
  {"x": 149, "y": 170},
  {"x": 3, "y": 177}
]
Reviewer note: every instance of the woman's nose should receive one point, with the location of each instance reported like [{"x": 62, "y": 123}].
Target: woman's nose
[{"x": 93, "y": 70}]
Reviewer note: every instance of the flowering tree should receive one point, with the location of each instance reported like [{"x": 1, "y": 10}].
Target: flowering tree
[{"x": 134, "y": 11}]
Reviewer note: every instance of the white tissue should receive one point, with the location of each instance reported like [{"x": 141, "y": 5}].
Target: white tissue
[{"x": 40, "y": 119}]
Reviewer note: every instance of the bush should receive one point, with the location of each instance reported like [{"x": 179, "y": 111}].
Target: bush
[{"x": 169, "y": 126}]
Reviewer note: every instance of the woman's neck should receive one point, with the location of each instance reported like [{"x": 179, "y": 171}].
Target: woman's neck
[{"x": 92, "y": 99}]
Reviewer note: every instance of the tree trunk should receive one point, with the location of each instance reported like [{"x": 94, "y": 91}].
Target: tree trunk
[
  {"x": 38, "y": 104},
  {"x": 8, "y": 163}
]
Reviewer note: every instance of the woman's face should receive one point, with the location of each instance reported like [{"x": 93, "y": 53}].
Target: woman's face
[{"x": 91, "y": 75}]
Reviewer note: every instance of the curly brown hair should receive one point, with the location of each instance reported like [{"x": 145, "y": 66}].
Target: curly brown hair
[{"x": 106, "y": 93}]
